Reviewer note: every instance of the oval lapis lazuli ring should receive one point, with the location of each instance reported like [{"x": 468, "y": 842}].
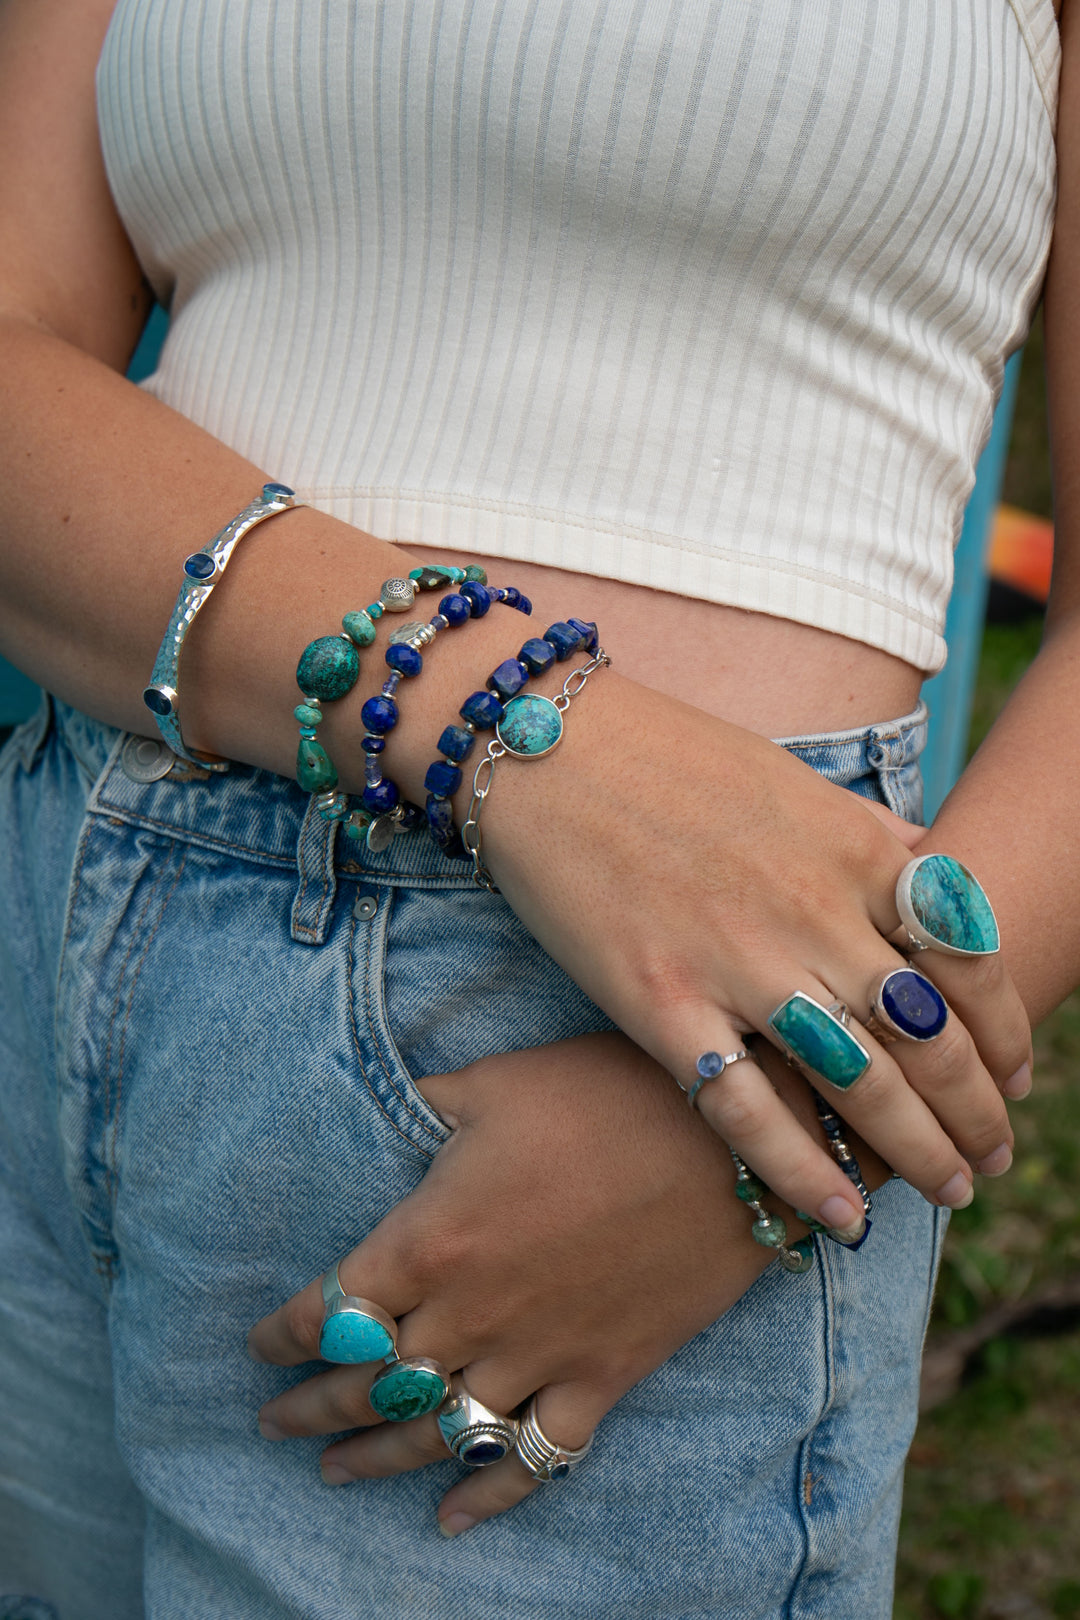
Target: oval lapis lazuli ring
[
  {"x": 354, "y": 1330},
  {"x": 944, "y": 908},
  {"x": 907, "y": 1007}
]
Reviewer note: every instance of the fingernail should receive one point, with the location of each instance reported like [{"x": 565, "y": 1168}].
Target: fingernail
[
  {"x": 455, "y": 1524},
  {"x": 254, "y": 1354},
  {"x": 957, "y": 1192},
  {"x": 334, "y": 1474},
  {"x": 270, "y": 1431},
  {"x": 996, "y": 1163},
  {"x": 1019, "y": 1084},
  {"x": 842, "y": 1218}
]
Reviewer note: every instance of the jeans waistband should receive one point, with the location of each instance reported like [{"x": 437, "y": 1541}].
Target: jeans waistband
[{"x": 255, "y": 815}]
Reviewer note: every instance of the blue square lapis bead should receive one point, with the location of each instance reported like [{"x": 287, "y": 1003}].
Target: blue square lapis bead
[
  {"x": 442, "y": 779},
  {"x": 440, "y": 816},
  {"x": 478, "y": 598},
  {"x": 483, "y": 709},
  {"x": 379, "y": 714},
  {"x": 587, "y": 629},
  {"x": 403, "y": 659},
  {"x": 915, "y": 1007},
  {"x": 507, "y": 680},
  {"x": 455, "y": 609},
  {"x": 564, "y": 638},
  {"x": 537, "y": 655},
  {"x": 456, "y": 743}
]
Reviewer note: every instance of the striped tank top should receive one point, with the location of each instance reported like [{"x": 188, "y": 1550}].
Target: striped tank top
[{"x": 713, "y": 296}]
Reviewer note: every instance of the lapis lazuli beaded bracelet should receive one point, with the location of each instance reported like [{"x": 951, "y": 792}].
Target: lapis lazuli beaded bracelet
[
  {"x": 202, "y": 570},
  {"x": 381, "y": 797},
  {"x": 485, "y": 711},
  {"x": 329, "y": 668}
]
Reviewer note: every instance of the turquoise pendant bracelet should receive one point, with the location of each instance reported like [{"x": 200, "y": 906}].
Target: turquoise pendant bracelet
[{"x": 202, "y": 570}]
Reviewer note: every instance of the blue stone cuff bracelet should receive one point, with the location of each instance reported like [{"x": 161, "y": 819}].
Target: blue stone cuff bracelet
[{"x": 202, "y": 570}]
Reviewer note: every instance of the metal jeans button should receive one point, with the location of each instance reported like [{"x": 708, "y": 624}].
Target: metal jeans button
[{"x": 143, "y": 759}]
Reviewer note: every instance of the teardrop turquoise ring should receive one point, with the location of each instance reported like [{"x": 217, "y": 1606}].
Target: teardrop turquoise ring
[
  {"x": 354, "y": 1330},
  {"x": 944, "y": 908}
]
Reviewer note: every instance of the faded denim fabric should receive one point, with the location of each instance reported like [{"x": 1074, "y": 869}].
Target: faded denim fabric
[{"x": 211, "y": 1022}]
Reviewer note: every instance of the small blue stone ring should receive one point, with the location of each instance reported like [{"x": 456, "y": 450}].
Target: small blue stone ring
[
  {"x": 710, "y": 1066},
  {"x": 907, "y": 1007},
  {"x": 944, "y": 908},
  {"x": 354, "y": 1330}
]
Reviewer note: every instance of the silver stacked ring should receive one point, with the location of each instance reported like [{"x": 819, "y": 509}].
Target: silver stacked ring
[
  {"x": 542, "y": 1457},
  {"x": 475, "y": 1434}
]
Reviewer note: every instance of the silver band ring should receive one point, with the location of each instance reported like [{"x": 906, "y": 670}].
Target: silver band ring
[
  {"x": 710, "y": 1066},
  {"x": 544, "y": 1459},
  {"x": 354, "y": 1330},
  {"x": 473, "y": 1433}
]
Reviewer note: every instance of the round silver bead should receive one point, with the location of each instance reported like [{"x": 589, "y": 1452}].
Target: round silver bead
[{"x": 396, "y": 595}]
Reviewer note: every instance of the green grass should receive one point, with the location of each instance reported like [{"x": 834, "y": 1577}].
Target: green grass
[{"x": 991, "y": 1526}]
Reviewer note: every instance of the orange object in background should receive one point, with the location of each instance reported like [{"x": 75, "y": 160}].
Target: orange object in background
[{"x": 1021, "y": 552}]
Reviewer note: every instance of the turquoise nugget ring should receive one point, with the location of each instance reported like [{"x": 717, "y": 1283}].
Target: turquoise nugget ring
[
  {"x": 818, "y": 1041},
  {"x": 354, "y": 1330},
  {"x": 945, "y": 909},
  {"x": 409, "y": 1389}
]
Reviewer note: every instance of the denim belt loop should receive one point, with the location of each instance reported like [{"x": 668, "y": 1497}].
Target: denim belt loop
[{"x": 315, "y": 893}]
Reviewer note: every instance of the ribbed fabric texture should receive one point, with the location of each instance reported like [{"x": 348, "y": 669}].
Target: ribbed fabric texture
[{"x": 711, "y": 296}]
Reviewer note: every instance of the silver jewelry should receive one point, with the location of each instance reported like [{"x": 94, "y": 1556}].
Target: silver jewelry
[
  {"x": 710, "y": 1066},
  {"x": 354, "y": 1330},
  {"x": 907, "y": 1006},
  {"x": 409, "y": 1388},
  {"x": 944, "y": 907},
  {"x": 396, "y": 595},
  {"x": 202, "y": 570},
  {"x": 475, "y": 1434},
  {"x": 503, "y": 744},
  {"x": 542, "y": 1457}
]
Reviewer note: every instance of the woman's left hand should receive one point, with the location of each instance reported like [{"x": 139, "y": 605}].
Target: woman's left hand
[{"x": 578, "y": 1227}]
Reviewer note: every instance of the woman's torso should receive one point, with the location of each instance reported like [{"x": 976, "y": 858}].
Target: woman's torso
[{"x": 705, "y": 307}]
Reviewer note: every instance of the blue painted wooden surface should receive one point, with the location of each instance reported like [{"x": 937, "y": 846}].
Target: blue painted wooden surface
[{"x": 949, "y": 695}]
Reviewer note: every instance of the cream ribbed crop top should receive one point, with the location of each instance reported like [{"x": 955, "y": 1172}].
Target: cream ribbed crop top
[{"x": 711, "y": 296}]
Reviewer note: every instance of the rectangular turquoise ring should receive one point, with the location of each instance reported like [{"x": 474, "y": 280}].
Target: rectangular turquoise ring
[{"x": 818, "y": 1040}]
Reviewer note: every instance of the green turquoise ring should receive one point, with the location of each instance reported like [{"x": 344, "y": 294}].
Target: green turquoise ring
[
  {"x": 354, "y": 1330},
  {"x": 945, "y": 909},
  {"x": 819, "y": 1040},
  {"x": 409, "y": 1389}
]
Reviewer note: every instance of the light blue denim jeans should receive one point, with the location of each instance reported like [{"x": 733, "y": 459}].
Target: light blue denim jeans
[{"x": 210, "y": 1031}]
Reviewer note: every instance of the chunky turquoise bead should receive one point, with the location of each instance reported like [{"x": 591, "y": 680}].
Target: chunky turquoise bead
[
  {"x": 352, "y": 1336},
  {"x": 308, "y": 714},
  {"x": 328, "y": 668},
  {"x": 799, "y": 1258},
  {"x": 477, "y": 574},
  {"x": 819, "y": 1041},
  {"x": 315, "y": 770},
  {"x": 952, "y": 907},
  {"x": 402, "y": 1393},
  {"x": 359, "y": 628},
  {"x": 531, "y": 725},
  {"x": 374, "y": 610},
  {"x": 749, "y": 1189},
  {"x": 769, "y": 1231}
]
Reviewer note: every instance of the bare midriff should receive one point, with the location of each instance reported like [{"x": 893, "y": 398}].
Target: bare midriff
[{"x": 770, "y": 675}]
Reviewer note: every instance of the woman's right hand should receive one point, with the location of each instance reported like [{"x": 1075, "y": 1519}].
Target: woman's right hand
[{"x": 691, "y": 876}]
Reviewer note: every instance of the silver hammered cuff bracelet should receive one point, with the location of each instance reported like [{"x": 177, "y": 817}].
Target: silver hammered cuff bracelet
[{"x": 202, "y": 570}]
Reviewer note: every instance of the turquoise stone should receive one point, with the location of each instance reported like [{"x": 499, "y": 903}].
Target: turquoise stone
[
  {"x": 476, "y": 574},
  {"x": 359, "y": 628},
  {"x": 308, "y": 714},
  {"x": 799, "y": 1259},
  {"x": 951, "y": 906},
  {"x": 769, "y": 1231},
  {"x": 354, "y": 1336},
  {"x": 328, "y": 668},
  {"x": 531, "y": 725},
  {"x": 819, "y": 1041},
  {"x": 402, "y": 1393},
  {"x": 749, "y": 1189},
  {"x": 315, "y": 770}
]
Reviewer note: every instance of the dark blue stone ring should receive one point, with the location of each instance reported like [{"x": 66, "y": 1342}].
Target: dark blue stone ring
[{"x": 907, "y": 1007}]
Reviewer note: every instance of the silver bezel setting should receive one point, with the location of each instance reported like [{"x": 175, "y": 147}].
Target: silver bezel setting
[{"x": 922, "y": 936}]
